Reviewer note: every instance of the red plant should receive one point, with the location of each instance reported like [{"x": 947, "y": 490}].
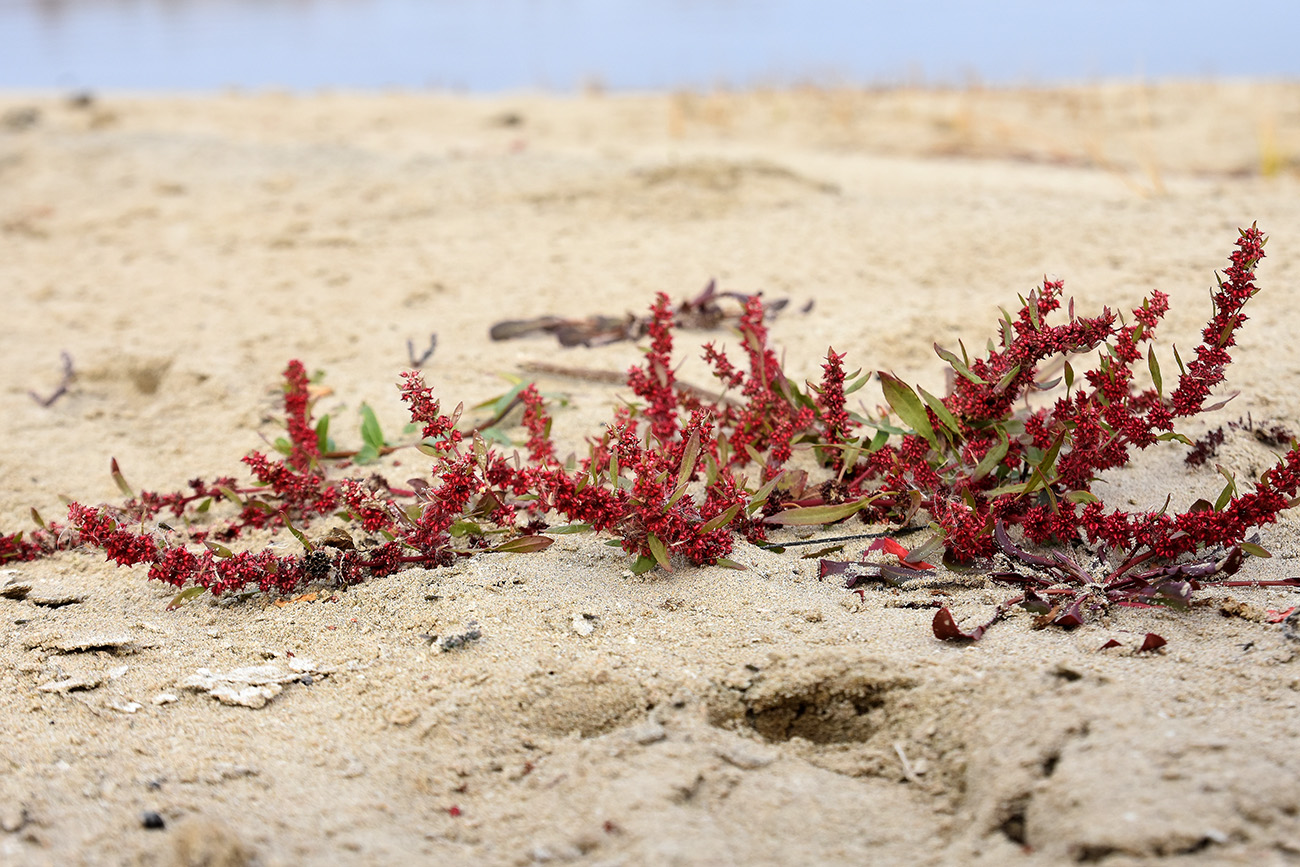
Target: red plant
[{"x": 984, "y": 463}]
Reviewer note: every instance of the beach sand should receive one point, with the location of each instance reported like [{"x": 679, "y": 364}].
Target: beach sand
[{"x": 182, "y": 250}]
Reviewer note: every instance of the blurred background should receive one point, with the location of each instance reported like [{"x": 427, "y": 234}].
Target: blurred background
[{"x": 565, "y": 45}]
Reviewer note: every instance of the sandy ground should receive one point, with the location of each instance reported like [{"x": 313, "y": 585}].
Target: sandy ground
[{"x": 183, "y": 249}]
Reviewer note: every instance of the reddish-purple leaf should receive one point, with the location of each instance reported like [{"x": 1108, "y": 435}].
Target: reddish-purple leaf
[
  {"x": 1035, "y": 603},
  {"x": 1151, "y": 642},
  {"x": 1071, "y": 617},
  {"x": 827, "y": 568},
  {"x": 914, "y": 559},
  {"x": 946, "y": 629}
]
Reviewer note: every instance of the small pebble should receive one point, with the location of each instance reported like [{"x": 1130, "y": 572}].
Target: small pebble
[
  {"x": 650, "y": 733},
  {"x": 152, "y": 820},
  {"x": 747, "y": 758}
]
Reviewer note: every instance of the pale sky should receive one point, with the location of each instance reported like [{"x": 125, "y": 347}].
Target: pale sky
[{"x": 485, "y": 45}]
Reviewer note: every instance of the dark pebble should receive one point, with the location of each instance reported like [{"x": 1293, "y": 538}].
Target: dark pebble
[{"x": 152, "y": 820}]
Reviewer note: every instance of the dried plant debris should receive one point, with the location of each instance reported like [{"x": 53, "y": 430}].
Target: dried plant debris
[
  {"x": 68, "y": 377},
  {"x": 1270, "y": 434},
  {"x": 705, "y": 312},
  {"x": 422, "y": 358},
  {"x": 456, "y": 641}
]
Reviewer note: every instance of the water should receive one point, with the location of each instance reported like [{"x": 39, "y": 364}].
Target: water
[{"x": 489, "y": 45}]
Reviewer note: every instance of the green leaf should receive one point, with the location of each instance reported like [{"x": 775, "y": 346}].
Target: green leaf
[
  {"x": 119, "y": 479},
  {"x": 219, "y": 550},
  {"x": 37, "y": 519},
  {"x": 185, "y": 596},
  {"x": 849, "y": 456},
  {"x": 1017, "y": 488},
  {"x": 1082, "y": 497},
  {"x": 993, "y": 457},
  {"x": 463, "y": 528},
  {"x": 643, "y": 565},
  {"x": 1005, "y": 381},
  {"x": 659, "y": 550},
  {"x": 1069, "y": 376},
  {"x": 501, "y": 401},
  {"x": 726, "y": 563},
  {"x": 807, "y": 516},
  {"x": 371, "y": 435},
  {"x": 283, "y": 446},
  {"x": 230, "y": 495},
  {"x": 925, "y": 549},
  {"x": 941, "y": 412},
  {"x": 323, "y": 444},
  {"x": 677, "y": 494},
  {"x": 495, "y": 434},
  {"x": 524, "y": 545},
  {"x": 690, "y": 455},
  {"x": 1043, "y": 476},
  {"x": 760, "y": 498},
  {"x": 367, "y": 454},
  {"x": 958, "y": 365},
  {"x": 1229, "y": 491},
  {"x": 1154, "y": 367},
  {"x": 857, "y": 383},
  {"x": 1181, "y": 367},
  {"x": 1254, "y": 550},
  {"x": 720, "y": 520},
  {"x": 298, "y": 534},
  {"x": 566, "y": 529},
  {"x": 887, "y": 429},
  {"x": 711, "y": 470},
  {"x": 908, "y": 406}
]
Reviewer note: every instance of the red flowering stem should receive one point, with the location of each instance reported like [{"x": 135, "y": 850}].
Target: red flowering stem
[
  {"x": 304, "y": 449},
  {"x": 1207, "y": 369},
  {"x": 541, "y": 450},
  {"x": 831, "y": 400},
  {"x": 655, "y": 381}
]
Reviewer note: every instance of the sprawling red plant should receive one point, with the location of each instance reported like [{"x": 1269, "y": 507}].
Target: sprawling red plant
[{"x": 993, "y": 460}]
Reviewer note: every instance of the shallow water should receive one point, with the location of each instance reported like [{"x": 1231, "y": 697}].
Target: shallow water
[{"x": 486, "y": 45}]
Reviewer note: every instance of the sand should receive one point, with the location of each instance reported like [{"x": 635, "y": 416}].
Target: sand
[{"x": 182, "y": 250}]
